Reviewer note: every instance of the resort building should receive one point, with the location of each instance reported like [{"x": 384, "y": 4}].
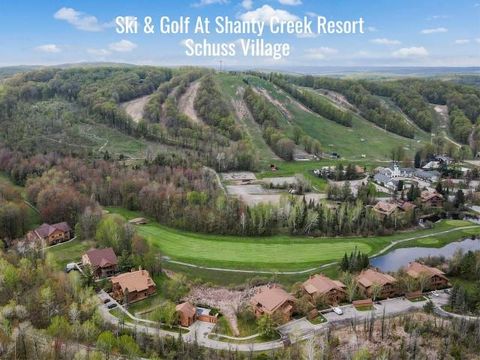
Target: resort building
[
  {"x": 436, "y": 277},
  {"x": 274, "y": 301},
  {"x": 431, "y": 198},
  {"x": 132, "y": 286},
  {"x": 103, "y": 262},
  {"x": 186, "y": 314},
  {"x": 320, "y": 286},
  {"x": 50, "y": 234},
  {"x": 369, "y": 279}
]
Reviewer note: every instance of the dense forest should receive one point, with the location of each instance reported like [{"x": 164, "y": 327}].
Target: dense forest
[
  {"x": 214, "y": 110},
  {"x": 190, "y": 198}
]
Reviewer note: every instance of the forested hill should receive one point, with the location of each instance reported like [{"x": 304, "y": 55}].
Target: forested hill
[
  {"x": 196, "y": 116},
  {"x": 79, "y": 111}
]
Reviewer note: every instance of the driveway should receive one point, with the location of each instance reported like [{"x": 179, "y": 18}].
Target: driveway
[
  {"x": 390, "y": 307},
  {"x": 296, "y": 328}
]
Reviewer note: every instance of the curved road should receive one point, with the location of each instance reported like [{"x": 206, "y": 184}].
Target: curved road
[{"x": 295, "y": 330}]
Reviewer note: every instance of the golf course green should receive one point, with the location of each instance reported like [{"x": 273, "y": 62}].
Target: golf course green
[{"x": 282, "y": 252}]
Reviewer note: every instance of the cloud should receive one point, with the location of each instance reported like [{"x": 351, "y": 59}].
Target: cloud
[
  {"x": 265, "y": 13},
  {"x": 436, "y": 17},
  {"x": 122, "y": 46},
  {"x": 411, "y": 52},
  {"x": 290, "y": 2},
  {"x": 434, "y": 31},
  {"x": 477, "y": 40},
  {"x": 320, "y": 53},
  {"x": 209, "y": 2},
  {"x": 247, "y": 4},
  {"x": 79, "y": 20},
  {"x": 384, "y": 41},
  {"x": 98, "y": 52},
  {"x": 48, "y": 48},
  {"x": 462, "y": 41}
]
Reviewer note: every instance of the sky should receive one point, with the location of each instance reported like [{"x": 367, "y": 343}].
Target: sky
[{"x": 397, "y": 33}]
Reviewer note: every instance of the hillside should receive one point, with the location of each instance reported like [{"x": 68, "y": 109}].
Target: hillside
[
  {"x": 363, "y": 138},
  {"x": 140, "y": 112}
]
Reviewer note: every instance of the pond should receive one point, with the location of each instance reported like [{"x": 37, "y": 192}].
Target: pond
[{"x": 398, "y": 258}]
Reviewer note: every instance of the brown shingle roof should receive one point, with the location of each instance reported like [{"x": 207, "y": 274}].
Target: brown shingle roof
[
  {"x": 102, "y": 257},
  {"x": 271, "y": 298},
  {"x": 186, "y": 308},
  {"x": 428, "y": 195},
  {"x": 321, "y": 284},
  {"x": 369, "y": 277},
  {"x": 139, "y": 280},
  {"x": 414, "y": 269},
  {"x": 45, "y": 229},
  {"x": 384, "y": 207}
]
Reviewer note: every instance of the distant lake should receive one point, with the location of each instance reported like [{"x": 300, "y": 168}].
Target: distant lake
[{"x": 398, "y": 258}]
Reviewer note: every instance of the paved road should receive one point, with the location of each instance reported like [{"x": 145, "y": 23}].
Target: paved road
[{"x": 296, "y": 330}]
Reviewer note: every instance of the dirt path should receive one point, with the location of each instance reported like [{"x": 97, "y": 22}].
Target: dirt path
[
  {"x": 283, "y": 109},
  {"x": 185, "y": 104},
  {"x": 338, "y": 99},
  {"x": 442, "y": 111},
  {"x": 135, "y": 107}
]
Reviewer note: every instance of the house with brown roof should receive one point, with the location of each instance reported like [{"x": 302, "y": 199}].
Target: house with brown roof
[
  {"x": 132, "y": 286},
  {"x": 431, "y": 198},
  {"x": 370, "y": 278},
  {"x": 274, "y": 301},
  {"x": 103, "y": 262},
  {"x": 187, "y": 314},
  {"x": 50, "y": 234},
  {"x": 405, "y": 205},
  {"x": 436, "y": 277},
  {"x": 332, "y": 291},
  {"x": 385, "y": 209}
]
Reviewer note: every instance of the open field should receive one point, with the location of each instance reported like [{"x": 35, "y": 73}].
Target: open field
[{"x": 275, "y": 253}]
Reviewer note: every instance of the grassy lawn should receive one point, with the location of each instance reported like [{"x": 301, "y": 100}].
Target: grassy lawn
[
  {"x": 144, "y": 307},
  {"x": 418, "y": 299},
  {"x": 320, "y": 319},
  {"x": 246, "y": 327},
  {"x": 364, "y": 307},
  {"x": 69, "y": 252},
  {"x": 274, "y": 253}
]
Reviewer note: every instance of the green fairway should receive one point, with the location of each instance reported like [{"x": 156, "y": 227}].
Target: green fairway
[{"x": 274, "y": 253}]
